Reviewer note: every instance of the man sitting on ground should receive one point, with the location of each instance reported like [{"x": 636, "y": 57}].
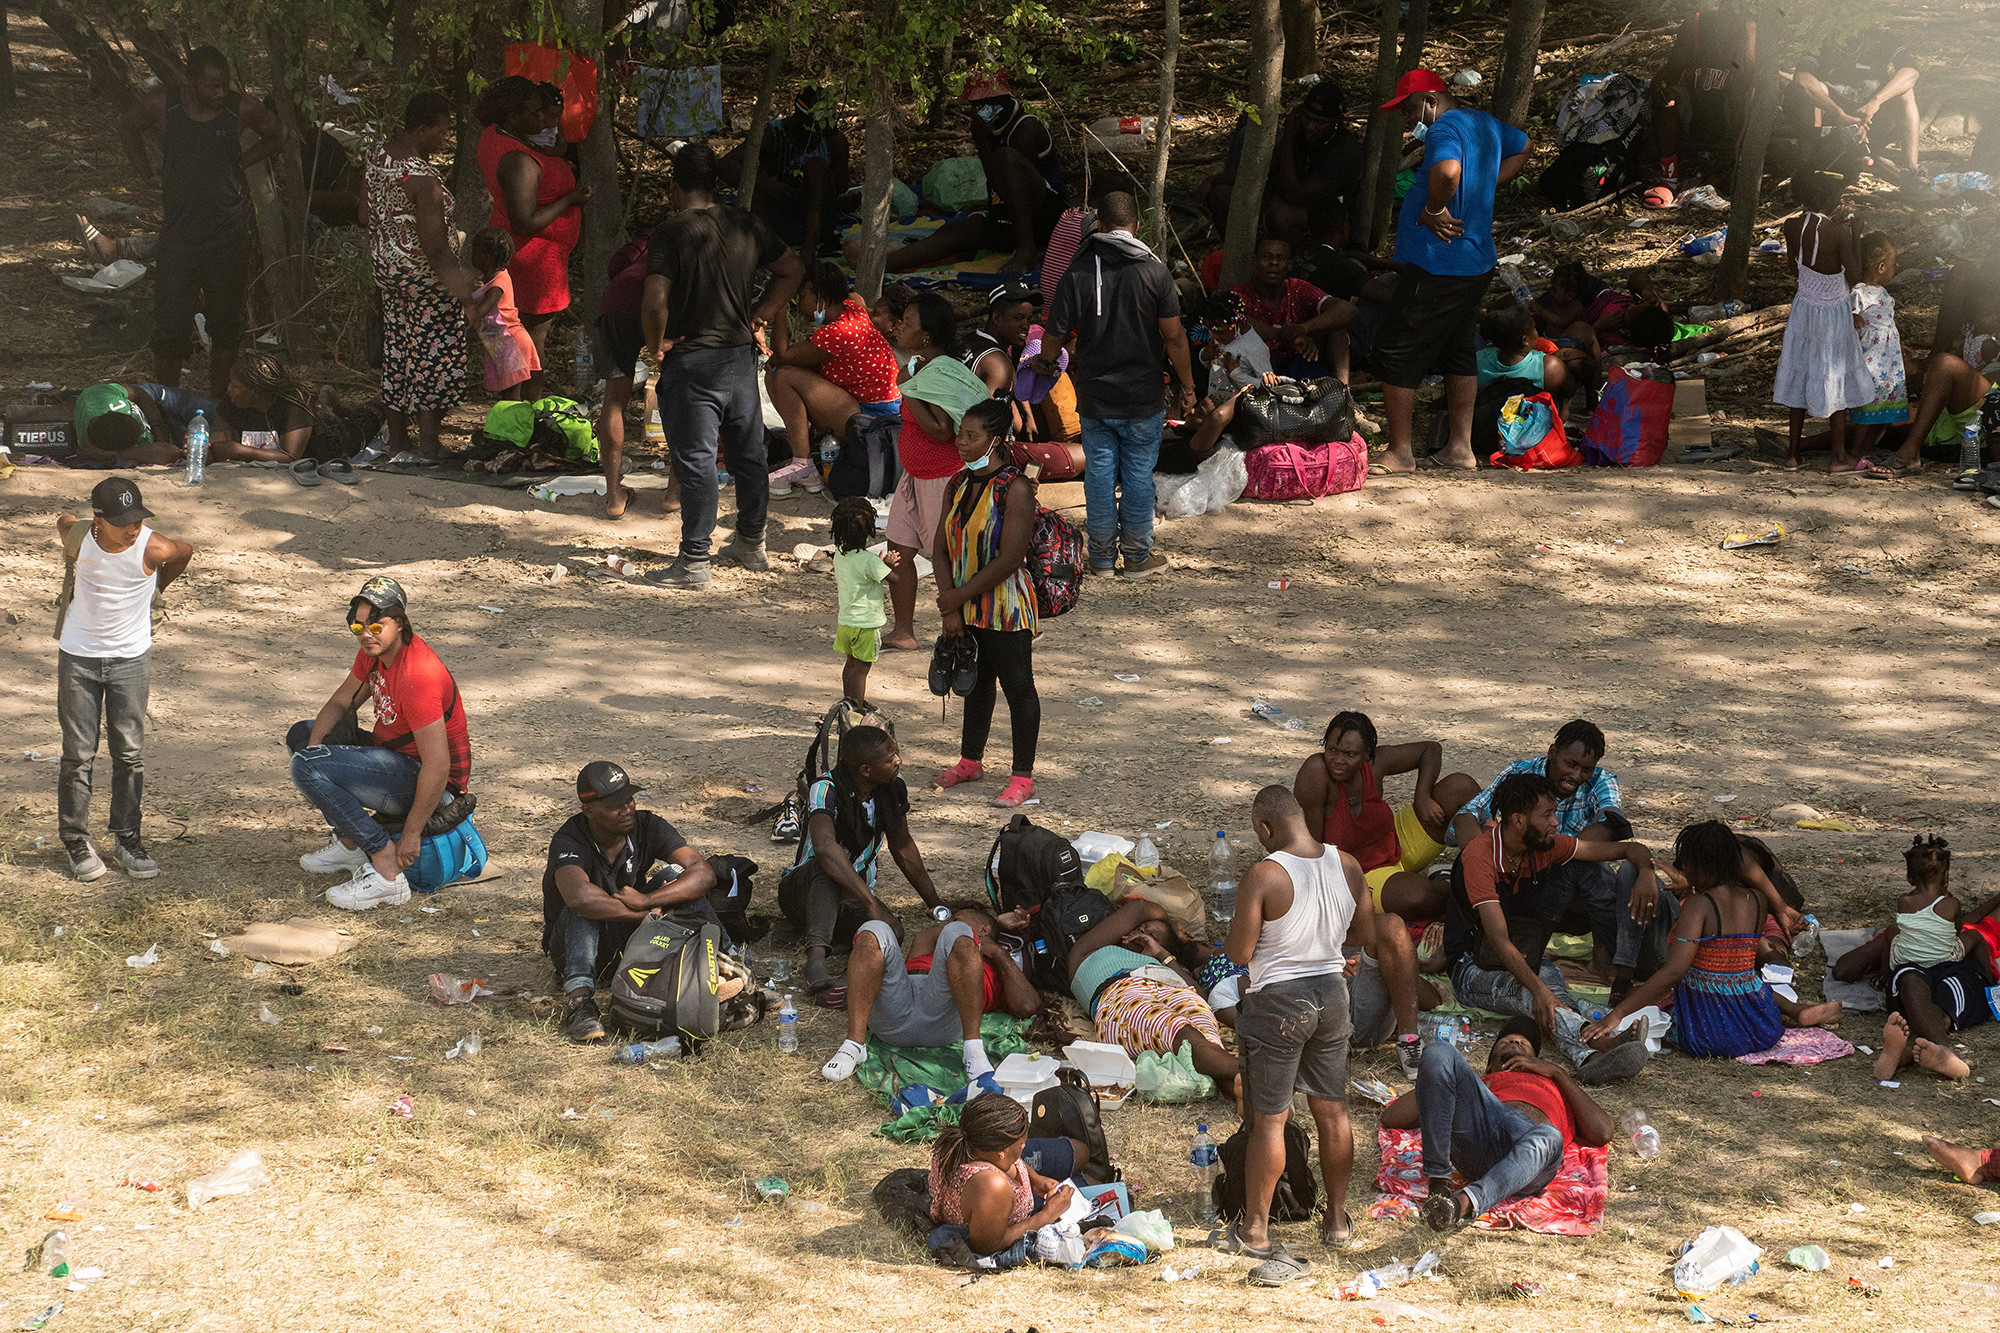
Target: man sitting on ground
[
  {"x": 1510, "y": 889},
  {"x": 850, "y": 814},
  {"x": 1505, "y": 1132},
  {"x": 414, "y": 766},
  {"x": 599, "y": 885},
  {"x": 914, "y": 1001},
  {"x": 802, "y": 171},
  {"x": 1303, "y": 328}
]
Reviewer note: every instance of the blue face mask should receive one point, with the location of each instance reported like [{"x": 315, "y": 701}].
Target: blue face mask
[
  {"x": 1419, "y": 131},
  {"x": 819, "y": 318},
  {"x": 988, "y": 112}
]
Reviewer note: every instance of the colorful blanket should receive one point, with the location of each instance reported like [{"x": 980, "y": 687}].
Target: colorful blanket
[
  {"x": 1572, "y": 1205},
  {"x": 886, "y": 1070},
  {"x": 1801, "y": 1046}
]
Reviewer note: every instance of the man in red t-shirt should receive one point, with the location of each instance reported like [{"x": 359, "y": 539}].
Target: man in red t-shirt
[
  {"x": 845, "y": 369},
  {"x": 415, "y": 765},
  {"x": 1505, "y": 1133},
  {"x": 1304, "y": 328}
]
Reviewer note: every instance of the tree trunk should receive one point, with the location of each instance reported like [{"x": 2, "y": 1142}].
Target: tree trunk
[
  {"x": 878, "y": 146},
  {"x": 1381, "y": 124},
  {"x": 767, "y": 96},
  {"x": 163, "y": 55},
  {"x": 1734, "y": 279},
  {"x": 1301, "y": 20},
  {"x": 110, "y": 75},
  {"x": 1267, "y": 84},
  {"x": 6, "y": 68},
  {"x": 1415, "y": 29},
  {"x": 1170, "y": 53},
  {"x": 1517, "y": 70},
  {"x": 597, "y": 160},
  {"x": 405, "y": 48},
  {"x": 468, "y": 187},
  {"x": 278, "y": 198}
]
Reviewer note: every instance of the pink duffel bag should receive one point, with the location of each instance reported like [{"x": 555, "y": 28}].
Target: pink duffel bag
[{"x": 1306, "y": 471}]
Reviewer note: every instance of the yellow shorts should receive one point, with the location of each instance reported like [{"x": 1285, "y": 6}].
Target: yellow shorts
[
  {"x": 863, "y": 645},
  {"x": 1418, "y": 847}
]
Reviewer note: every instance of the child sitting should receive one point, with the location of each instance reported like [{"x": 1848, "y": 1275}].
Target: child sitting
[
  {"x": 1721, "y": 1005},
  {"x": 1938, "y": 972},
  {"x": 1514, "y": 352},
  {"x": 513, "y": 367},
  {"x": 1238, "y": 359},
  {"x": 857, "y": 579}
]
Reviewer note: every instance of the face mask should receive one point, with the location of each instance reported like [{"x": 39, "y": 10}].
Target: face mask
[
  {"x": 989, "y": 112},
  {"x": 984, "y": 461},
  {"x": 546, "y": 139},
  {"x": 1421, "y": 129},
  {"x": 819, "y": 318}
]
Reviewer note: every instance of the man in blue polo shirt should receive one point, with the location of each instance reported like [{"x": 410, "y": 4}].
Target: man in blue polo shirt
[{"x": 1444, "y": 245}]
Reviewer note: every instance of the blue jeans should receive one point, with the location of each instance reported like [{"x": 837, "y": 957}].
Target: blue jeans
[
  {"x": 1118, "y": 459},
  {"x": 107, "y": 692},
  {"x": 1606, "y": 891},
  {"x": 345, "y": 782},
  {"x": 1498, "y": 992},
  {"x": 708, "y": 401},
  {"x": 579, "y": 945},
  {"x": 178, "y": 406},
  {"x": 1501, "y": 1151}
]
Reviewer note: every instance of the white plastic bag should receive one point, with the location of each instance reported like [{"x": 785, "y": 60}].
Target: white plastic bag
[
  {"x": 1151, "y": 1227},
  {"x": 245, "y": 1172},
  {"x": 1712, "y": 1258},
  {"x": 1217, "y": 484},
  {"x": 1060, "y": 1243}
]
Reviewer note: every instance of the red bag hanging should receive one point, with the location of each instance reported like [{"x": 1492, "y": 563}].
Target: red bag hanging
[
  {"x": 1553, "y": 450},
  {"x": 576, "y": 75},
  {"x": 1629, "y": 428},
  {"x": 1306, "y": 471}
]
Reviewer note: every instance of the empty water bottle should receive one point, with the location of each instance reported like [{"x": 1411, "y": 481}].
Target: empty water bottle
[
  {"x": 641, "y": 1051},
  {"x": 1222, "y": 876},
  {"x": 197, "y": 449},
  {"x": 1637, "y": 1126},
  {"x": 1510, "y": 277},
  {"x": 1968, "y": 446},
  {"x": 1954, "y": 181},
  {"x": 1276, "y": 716},
  {"x": 1702, "y": 245},
  {"x": 788, "y": 1026},
  {"x": 54, "y": 1254},
  {"x": 586, "y": 365},
  {"x": 1146, "y": 855},
  {"x": 1807, "y": 939},
  {"x": 1708, "y": 314},
  {"x": 1204, "y": 1157}
]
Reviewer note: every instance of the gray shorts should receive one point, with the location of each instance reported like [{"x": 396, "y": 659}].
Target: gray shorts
[
  {"x": 1368, "y": 1010},
  {"x": 915, "y": 1010},
  {"x": 1293, "y": 1034}
]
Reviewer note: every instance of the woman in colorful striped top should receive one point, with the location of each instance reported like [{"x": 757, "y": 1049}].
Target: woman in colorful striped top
[{"x": 984, "y": 590}]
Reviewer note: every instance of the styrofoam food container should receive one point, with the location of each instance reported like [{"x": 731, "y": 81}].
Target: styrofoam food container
[
  {"x": 1093, "y": 847},
  {"x": 1105, "y": 1066},
  {"x": 1024, "y": 1074}
]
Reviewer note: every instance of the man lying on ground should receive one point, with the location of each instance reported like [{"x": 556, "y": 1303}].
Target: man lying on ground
[
  {"x": 1505, "y": 1131},
  {"x": 599, "y": 885}
]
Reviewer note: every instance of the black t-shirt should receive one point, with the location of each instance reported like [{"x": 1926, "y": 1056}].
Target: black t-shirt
[
  {"x": 711, "y": 255},
  {"x": 651, "y": 841},
  {"x": 1332, "y": 271},
  {"x": 284, "y": 415},
  {"x": 1113, "y": 298}
]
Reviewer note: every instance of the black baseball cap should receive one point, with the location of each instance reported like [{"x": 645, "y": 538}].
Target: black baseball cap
[
  {"x": 116, "y": 500},
  {"x": 602, "y": 780},
  {"x": 383, "y": 593},
  {"x": 1008, "y": 292}
]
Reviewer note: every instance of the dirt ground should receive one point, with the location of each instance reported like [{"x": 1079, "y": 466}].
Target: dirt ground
[{"x": 1845, "y": 669}]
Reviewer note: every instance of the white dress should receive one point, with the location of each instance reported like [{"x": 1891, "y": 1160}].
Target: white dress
[{"x": 1821, "y": 369}]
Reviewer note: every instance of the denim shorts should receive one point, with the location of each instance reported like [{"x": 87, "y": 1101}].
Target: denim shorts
[{"x": 1293, "y": 1035}]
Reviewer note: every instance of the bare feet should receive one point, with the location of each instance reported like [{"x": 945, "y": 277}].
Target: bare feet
[
  {"x": 906, "y": 643},
  {"x": 1940, "y": 1061},
  {"x": 1022, "y": 261},
  {"x": 670, "y": 503},
  {"x": 1825, "y": 1015},
  {"x": 1895, "y": 1048},
  {"x": 1395, "y": 462},
  {"x": 851, "y": 252},
  {"x": 1961, "y": 1162},
  {"x": 1457, "y": 459}
]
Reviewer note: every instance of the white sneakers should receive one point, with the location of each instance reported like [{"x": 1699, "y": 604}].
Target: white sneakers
[
  {"x": 368, "y": 889},
  {"x": 336, "y": 858},
  {"x": 800, "y": 473}
]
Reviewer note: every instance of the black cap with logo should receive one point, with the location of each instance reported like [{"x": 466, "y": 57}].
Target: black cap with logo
[
  {"x": 117, "y": 501},
  {"x": 602, "y": 780}
]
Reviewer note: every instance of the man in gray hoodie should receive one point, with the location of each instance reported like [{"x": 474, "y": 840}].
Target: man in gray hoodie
[{"x": 1120, "y": 303}]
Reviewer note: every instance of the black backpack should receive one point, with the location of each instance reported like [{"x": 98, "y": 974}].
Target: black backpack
[
  {"x": 1037, "y": 871},
  {"x": 867, "y": 463},
  {"x": 1297, "y": 1194},
  {"x": 730, "y": 898},
  {"x": 1069, "y": 1111},
  {"x": 668, "y": 978},
  {"x": 824, "y": 751}
]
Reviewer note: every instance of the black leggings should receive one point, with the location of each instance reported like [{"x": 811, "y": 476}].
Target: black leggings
[{"x": 1006, "y": 659}]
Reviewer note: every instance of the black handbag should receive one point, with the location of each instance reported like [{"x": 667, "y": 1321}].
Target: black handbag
[{"x": 1293, "y": 414}]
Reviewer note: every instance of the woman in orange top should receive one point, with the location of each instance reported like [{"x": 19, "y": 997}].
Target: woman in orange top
[{"x": 536, "y": 200}]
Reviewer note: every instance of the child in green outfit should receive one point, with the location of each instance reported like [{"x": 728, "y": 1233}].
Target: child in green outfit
[{"x": 857, "y": 576}]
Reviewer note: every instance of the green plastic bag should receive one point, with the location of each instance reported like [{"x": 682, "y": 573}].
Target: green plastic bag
[
  {"x": 902, "y": 200},
  {"x": 1173, "y": 1078},
  {"x": 955, "y": 184}
]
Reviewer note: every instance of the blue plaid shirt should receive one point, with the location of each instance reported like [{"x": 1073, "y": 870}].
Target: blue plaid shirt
[{"x": 1582, "y": 809}]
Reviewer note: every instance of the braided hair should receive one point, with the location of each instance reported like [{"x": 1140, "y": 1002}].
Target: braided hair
[
  {"x": 990, "y": 1122},
  {"x": 268, "y": 377},
  {"x": 1928, "y": 860}
]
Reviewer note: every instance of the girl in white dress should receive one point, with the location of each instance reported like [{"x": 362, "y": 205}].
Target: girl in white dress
[{"x": 1821, "y": 372}]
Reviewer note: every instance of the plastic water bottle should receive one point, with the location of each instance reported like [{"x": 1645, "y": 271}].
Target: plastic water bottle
[
  {"x": 1147, "y": 855},
  {"x": 1204, "y": 1157},
  {"x": 1510, "y": 277},
  {"x": 1708, "y": 314},
  {"x": 1702, "y": 245},
  {"x": 197, "y": 449},
  {"x": 788, "y": 1026},
  {"x": 1968, "y": 446},
  {"x": 1275, "y": 715},
  {"x": 1807, "y": 939},
  {"x": 1222, "y": 876},
  {"x": 586, "y": 365},
  {"x": 641, "y": 1051},
  {"x": 1954, "y": 181},
  {"x": 1637, "y": 1126},
  {"x": 55, "y": 1254}
]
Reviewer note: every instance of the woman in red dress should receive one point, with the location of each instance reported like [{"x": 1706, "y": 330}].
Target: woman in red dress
[{"x": 536, "y": 200}]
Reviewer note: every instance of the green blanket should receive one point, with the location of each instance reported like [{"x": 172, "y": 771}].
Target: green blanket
[
  {"x": 886, "y": 1070},
  {"x": 945, "y": 383}
]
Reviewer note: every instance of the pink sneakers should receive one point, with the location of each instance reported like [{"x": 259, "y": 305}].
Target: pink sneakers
[{"x": 800, "y": 473}]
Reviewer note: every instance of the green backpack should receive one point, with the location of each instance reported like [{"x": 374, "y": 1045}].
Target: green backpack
[{"x": 552, "y": 423}]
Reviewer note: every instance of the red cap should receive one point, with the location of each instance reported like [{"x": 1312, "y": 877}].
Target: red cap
[
  {"x": 986, "y": 85},
  {"x": 1416, "y": 81}
]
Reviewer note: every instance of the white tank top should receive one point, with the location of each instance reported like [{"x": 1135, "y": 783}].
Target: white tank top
[
  {"x": 1306, "y": 941},
  {"x": 111, "y": 613}
]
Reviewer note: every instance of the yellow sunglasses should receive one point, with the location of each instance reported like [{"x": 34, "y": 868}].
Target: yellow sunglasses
[{"x": 372, "y": 627}]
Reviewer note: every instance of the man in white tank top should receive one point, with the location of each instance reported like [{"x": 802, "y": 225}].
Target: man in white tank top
[
  {"x": 1294, "y": 912},
  {"x": 104, "y": 636}
]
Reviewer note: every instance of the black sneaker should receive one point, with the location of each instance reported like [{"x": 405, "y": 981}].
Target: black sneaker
[
  {"x": 581, "y": 1022},
  {"x": 130, "y": 854},
  {"x": 787, "y": 828},
  {"x": 944, "y": 660},
  {"x": 682, "y": 573},
  {"x": 965, "y": 665},
  {"x": 84, "y": 862}
]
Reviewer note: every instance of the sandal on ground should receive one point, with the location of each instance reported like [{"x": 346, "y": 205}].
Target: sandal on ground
[
  {"x": 1228, "y": 1242},
  {"x": 965, "y": 770},
  {"x": 1280, "y": 1270},
  {"x": 1890, "y": 467},
  {"x": 1019, "y": 791},
  {"x": 305, "y": 472},
  {"x": 1708, "y": 453},
  {"x": 1328, "y": 1235},
  {"x": 340, "y": 470}
]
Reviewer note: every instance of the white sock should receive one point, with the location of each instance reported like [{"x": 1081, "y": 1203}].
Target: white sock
[
  {"x": 844, "y": 1061},
  {"x": 976, "y": 1062}
]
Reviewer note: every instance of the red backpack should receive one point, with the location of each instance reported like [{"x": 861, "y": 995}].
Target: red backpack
[{"x": 1055, "y": 556}]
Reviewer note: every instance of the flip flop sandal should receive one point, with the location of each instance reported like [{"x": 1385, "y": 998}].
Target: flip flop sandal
[
  {"x": 1280, "y": 1270},
  {"x": 1333, "y": 1242},
  {"x": 305, "y": 472},
  {"x": 1895, "y": 467},
  {"x": 1227, "y": 1241},
  {"x": 342, "y": 471}
]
